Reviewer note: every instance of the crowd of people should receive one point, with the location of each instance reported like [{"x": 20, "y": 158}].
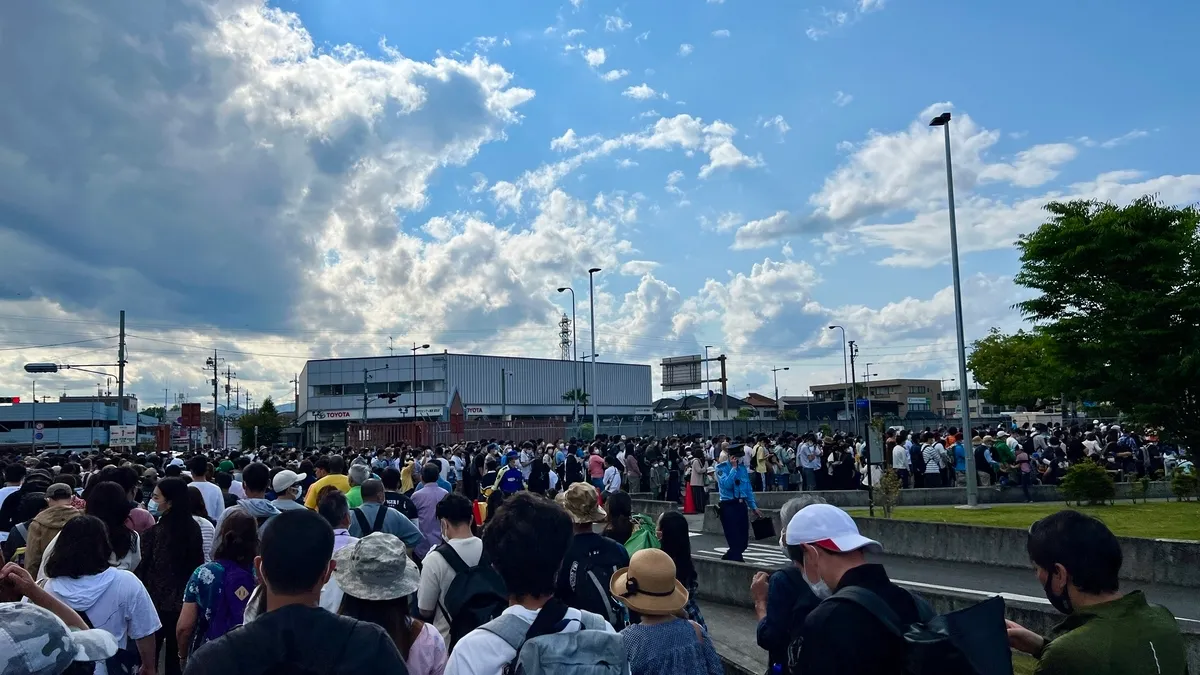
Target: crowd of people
[{"x": 477, "y": 558}]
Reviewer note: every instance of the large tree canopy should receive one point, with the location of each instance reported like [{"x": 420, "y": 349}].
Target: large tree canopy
[
  {"x": 1119, "y": 300},
  {"x": 266, "y": 419},
  {"x": 1017, "y": 370}
]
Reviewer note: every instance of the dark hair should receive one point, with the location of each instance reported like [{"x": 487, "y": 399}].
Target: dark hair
[
  {"x": 256, "y": 477},
  {"x": 196, "y": 501},
  {"x": 322, "y": 463},
  {"x": 337, "y": 464},
  {"x": 390, "y": 615},
  {"x": 333, "y": 507},
  {"x": 1080, "y": 543},
  {"x": 430, "y": 473},
  {"x": 176, "y": 530},
  {"x": 14, "y": 473},
  {"x": 198, "y": 465},
  {"x": 173, "y": 471},
  {"x": 237, "y": 540},
  {"x": 371, "y": 488},
  {"x": 295, "y": 551},
  {"x": 620, "y": 517},
  {"x": 391, "y": 478},
  {"x": 494, "y": 502},
  {"x": 224, "y": 480},
  {"x": 454, "y": 508},
  {"x": 31, "y": 504},
  {"x": 526, "y": 541},
  {"x": 676, "y": 543},
  {"x": 111, "y": 505},
  {"x": 82, "y": 549}
]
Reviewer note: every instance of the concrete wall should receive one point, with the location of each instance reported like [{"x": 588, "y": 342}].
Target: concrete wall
[
  {"x": 728, "y": 583},
  {"x": 653, "y": 508},
  {"x": 952, "y": 496}
]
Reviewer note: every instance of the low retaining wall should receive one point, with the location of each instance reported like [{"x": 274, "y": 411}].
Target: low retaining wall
[
  {"x": 728, "y": 583},
  {"x": 653, "y": 507},
  {"x": 952, "y": 496}
]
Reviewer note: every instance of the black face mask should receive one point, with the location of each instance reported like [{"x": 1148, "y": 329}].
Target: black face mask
[{"x": 1061, "y": 602}]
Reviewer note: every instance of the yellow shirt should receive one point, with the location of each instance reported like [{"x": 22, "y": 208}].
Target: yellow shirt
[
  {"x": 337, "y": 480},
  {"x": 406, "y": 477}
]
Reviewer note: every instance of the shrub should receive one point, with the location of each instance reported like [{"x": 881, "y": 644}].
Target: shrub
[
  {"x": 1139, "y": 488},
  {"x": 1184, "y": 485},
  {"x": 1089, "y": 482},
  {"x": 889, "y": 491},
  {"x": 586, "y": 431},
  {"x": 826, "y": 430}
]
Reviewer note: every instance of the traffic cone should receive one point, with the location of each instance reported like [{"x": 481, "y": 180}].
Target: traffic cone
[{"x": 689, "y": 507}]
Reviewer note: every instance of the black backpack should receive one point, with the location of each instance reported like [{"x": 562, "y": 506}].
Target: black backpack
[
  {"x": 589, "y": 584},
  {"x": 805, "y": 603},
  {"x": 970, "y": 641},
  {"x": 368, "y": 528},
  {"x": 475, "y": 596}
]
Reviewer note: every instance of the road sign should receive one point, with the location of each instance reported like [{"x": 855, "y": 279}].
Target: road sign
[
  {"x": 122, "y": 435},
  {"x": 861, "y": 402},
  {"x": 39, "y": 426},
  {"x": 191, "y": 414},
  {"x": 38, "y": 436},
  {"x": 681, "y": 372}
]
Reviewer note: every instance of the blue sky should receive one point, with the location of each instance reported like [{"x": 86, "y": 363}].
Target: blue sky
[{"x": 306, "y": 178}]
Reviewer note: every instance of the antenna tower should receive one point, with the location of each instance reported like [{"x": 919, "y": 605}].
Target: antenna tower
[{"x": 564, "y": 338}]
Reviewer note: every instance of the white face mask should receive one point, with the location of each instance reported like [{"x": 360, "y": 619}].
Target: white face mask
[{"x": 819, "y": 589}]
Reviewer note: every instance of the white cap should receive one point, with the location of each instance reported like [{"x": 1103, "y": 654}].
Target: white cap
[
  {"x": 286, "y": 479},
  {"x": 829, "y": 527}
]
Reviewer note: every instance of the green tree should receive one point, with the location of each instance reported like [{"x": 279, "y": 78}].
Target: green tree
[
  {"x": 269, "y": 424},
  {"x": 684, "y": 416},
  {"x": 789, "y": 415},
  {"x": 156, "y": 411},
  {"x": 579, "y": 396},
  {"x": 745, "y": 413},
  {"x": 1118, "y": 293},
  {"x": 1018, "y": 369}
]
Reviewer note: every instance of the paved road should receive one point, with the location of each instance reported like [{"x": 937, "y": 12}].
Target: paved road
[{"x": 1016, "y": 584}]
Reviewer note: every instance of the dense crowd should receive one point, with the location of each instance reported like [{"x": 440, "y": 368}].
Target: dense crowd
[{"x": 476, "y": 558}]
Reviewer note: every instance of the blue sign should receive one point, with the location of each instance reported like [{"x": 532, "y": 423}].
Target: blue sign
[
  {"x": 38, "y": 436},
  {"x": 861, "y": 403}
]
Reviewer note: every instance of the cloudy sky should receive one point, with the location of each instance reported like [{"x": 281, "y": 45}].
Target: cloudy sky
[{"x": 307, "y": 178}]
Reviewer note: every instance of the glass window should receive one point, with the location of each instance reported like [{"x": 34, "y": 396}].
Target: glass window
[
  {"x": 918, "y": 407},
  {"x": 435, "y": 385},
  {"x": 417, "y": 386},
  {"x": 402, "y": 387},
  {"x": 352, "y": 389},
  {"x": 378, "y": 387}
]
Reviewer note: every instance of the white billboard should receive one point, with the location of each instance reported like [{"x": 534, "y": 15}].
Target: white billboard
[{"x": 122, "y": 435}]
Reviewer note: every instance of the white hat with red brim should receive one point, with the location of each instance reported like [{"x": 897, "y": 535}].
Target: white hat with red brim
[{"x": 828, "y": 527}]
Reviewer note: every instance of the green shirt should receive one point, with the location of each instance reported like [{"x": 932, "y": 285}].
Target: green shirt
[
  {"x": 1127, "y": 636},
  {"x": 354, "y": 497}
]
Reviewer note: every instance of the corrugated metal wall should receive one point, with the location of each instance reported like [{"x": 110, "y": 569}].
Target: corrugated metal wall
[{"x": 544, "y": 381}]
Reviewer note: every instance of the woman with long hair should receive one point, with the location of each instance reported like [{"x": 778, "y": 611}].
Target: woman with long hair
[
  {"x": 620, "y": 517},
  {"x": 377, "y": 578},
  {"x": 214, "y": 600},
  {"x": 208, "y": 531},
  {"x": 78, "y": 573},
  {"x": 675, "y": 541},
  {"x": 171, "y": 551},
  {"x": 110, "y": 504}
]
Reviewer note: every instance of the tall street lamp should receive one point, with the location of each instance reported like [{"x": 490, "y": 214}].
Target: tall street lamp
[
  {"x": 595, "y": 380},
  {"x": 845, "y": 370},
  {"x": 869, "y": 375},
  {"x": 943, "y": 121},
  {"x": 415, "y": 349},
  {"x": 708, "y": 391},
  {"x": 574, "y": 351},
  {"x": 775, "y": 374}
]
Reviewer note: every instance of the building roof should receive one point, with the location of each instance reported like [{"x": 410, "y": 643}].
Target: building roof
[
  {"x": 695, "y": 403},
  {"x": 755, "y": 400},
  {"x": 879, "y": 383}
]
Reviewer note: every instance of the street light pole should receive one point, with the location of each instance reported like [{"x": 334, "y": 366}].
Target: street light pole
[
  {"x": 414, "y": 380},
  {"x": 574, "y": 351},
  {"x": 707, "y": 392},
  {"x": 775, "y": 374},
  {"x": 868, "y": 376},
  {"x": 943, "y": 121},
  {"x": 592, "y": 321},
  {"x": 845, "y": 371}
]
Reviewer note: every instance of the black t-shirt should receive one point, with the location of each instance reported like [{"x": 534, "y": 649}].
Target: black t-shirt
[
  {"x": 402, "y": 503},
  {"x": 608, "y": 556}
]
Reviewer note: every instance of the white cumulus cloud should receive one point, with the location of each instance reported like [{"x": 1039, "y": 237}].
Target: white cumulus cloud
[
  {"x": 595, "y": 57},
  {"x": 721, "y": 33},
  {"x": 685, "y": 49},
  {"x": 641, "y": 92}
]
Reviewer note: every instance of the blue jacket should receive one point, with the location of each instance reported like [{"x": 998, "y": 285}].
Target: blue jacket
[{"x": 733, "y": 482}]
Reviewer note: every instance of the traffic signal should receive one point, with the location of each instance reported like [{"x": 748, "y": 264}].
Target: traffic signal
[
  {"x": 10, "y": 399},
  {"x": 391, "y": 398},
  {"x": 41, "y": 367}
]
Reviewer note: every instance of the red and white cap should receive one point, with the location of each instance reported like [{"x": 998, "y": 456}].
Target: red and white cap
[{"x": 828, "y": 527}]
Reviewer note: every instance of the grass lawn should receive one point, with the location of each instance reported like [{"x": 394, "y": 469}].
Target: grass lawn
[{"x": 1156, "y": 520}]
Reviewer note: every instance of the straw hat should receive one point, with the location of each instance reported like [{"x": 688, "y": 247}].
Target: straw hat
[
  {"x": 580, "y": 502},
  {"x": 648, "y": 585},
  {"x": 376, "y": 567}
]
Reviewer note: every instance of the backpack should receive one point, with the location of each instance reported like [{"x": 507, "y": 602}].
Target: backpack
[
  {"x": 970, "y": 641},
  {"x": 368, "y": 528},
  {"x": 589, "y": 584},
  {"x": 542, "y": 650},
  {"x": 643, "y": 534},
  {"x": 18, "y": 556},
  {"x": 805, "y": 603},
  {"x": 476, "y": 596},
  {"x": 236, "y": 586}
]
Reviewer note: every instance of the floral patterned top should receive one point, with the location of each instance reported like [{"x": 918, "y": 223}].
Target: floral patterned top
[{"x": 204, "y": 588}]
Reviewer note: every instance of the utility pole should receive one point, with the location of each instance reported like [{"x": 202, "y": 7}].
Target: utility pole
[
  {"x": 503, "y": 394},
  {"x": 33, "y": 425},
  {"x": 853, "y": 383},
  {"x": 296, "y": 396},
  {"x": 228, "y": 377},
  {"x": 121, "y": 372},
  {"x": 214, "y": 362}
]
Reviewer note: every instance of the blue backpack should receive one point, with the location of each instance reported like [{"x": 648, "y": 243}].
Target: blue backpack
[
  {"x": 543, "y": 649},
  {"x": 236, "y": 586}
]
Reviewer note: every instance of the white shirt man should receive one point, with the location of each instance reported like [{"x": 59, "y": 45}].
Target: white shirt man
[
  {"x": 437, "y": 574},
  {"x": 900, "y": 458}
]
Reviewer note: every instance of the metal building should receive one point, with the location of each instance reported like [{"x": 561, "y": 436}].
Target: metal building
[{"x": 333, "y": 392}]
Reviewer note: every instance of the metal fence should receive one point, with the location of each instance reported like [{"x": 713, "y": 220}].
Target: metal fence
[{"x": 735, "y": 428}]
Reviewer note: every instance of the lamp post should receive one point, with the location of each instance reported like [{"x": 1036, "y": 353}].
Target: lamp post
[
  {"x": 504, "y": 375},
  {"x": 707, "y": 392},
  {"x": 584, "y": 395},
  {"x": 775, "y": 374},
  {"x": 942, "y": 394},
  {"x": 592, "y": 321},
  {"x": 943, "y": 121},
  {"x": 574, "y": 351},
  {"x": 868, "y": 375},
  {"x": 845, "y": 370},
  {"x": 415, "y": 349}
]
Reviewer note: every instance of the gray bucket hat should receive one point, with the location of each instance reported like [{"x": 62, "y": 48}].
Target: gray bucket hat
[
  {"x": 35, "y": 642},
  {"x": 376, "y": 567}
]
